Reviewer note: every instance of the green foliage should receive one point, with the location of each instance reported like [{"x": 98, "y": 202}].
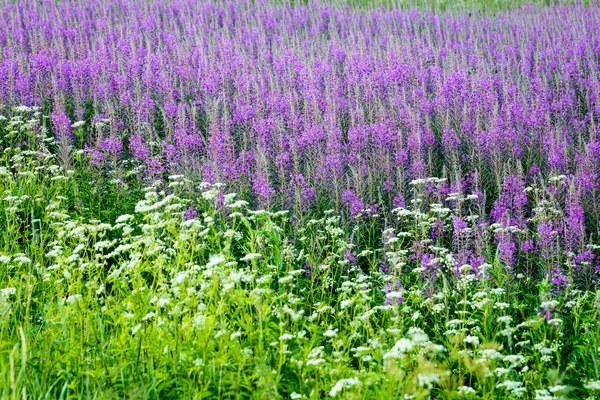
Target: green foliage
[
  {"x": 121, "y": 296},
  {"x": 444, "y": 5}
]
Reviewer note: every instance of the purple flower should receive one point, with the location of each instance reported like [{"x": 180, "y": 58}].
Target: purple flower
[
  {"x": 191, "y": 213},
  {"x": 393, "y": 288}
]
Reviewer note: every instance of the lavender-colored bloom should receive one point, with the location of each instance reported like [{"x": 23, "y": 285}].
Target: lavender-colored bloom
[
  {"x": 558, "y": 281},
  {"x": 355, "y": 205},
  {"x": 292, "y": 105},
  {"x": 393, "y": 289},
  {"x": 191, "y": 213}
]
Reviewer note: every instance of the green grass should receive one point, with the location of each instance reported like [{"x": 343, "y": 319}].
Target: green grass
[
  {"x": 108, "y": 292},
  {"x": 447, "y": 5}
]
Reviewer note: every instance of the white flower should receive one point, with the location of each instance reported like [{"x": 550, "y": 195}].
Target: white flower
[
  {"x": 238, "y": 204},
  {"x": 21, "y": 109},
  {"x": 465, "y": 268},
  {"x": 428, "y": 379},
  {"x": 592, "y": 385},
  {"x": 402, "y": 346},
  {"x": 490, "y": 354},
  {"x": 148, "y": 316},
  {"x": 543, "y": 394},
  {"x": 295, "y": 316},
  {"x": 549, "y": 304},
  {"x": 316, "y": 352},
  {"x": 22, "y": 259},
  {"x": 163, "y": 302},
  {"x": 418, "y": 336},
  {"x": 124, "y": 218},
  {"x": 514, "y": 360},
  {"x": 346, "y": 303},
  {"x": 438, "y": 307},
  {"x": 555, "y": 321},
  {"x": 472, "y": 340},
  {"x": 295, "y": 396},
  {"x": 286, "y": 279},
  {"x": 510, "y": 385},
  {"x": 465, "y": 390},
  {"x": 557, "y": 388},
  {"x": 330, "y": 333},
  {"x": 100, "y": 289},
  {"x": 136, "y": 328},
  {"x": 251, "y": 256},
  {"x": 210, "y": 194},
  {"x": 454, "y": 322},
  {"x": 7, "y": 291},
  {"x": 415, "y": 182},
  {"x": 73, "y": 298},
  {"x": 215, "y": 260},
  {"x": 344, "y": 383},
  {"x": 220, "y": 333},
  {"x": 394, "y": 295}
]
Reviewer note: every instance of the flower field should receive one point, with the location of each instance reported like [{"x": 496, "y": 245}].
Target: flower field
[{"x": 253, "y": 199}]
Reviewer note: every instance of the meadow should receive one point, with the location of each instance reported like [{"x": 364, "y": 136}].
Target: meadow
[{"x": 270, "y": 200}]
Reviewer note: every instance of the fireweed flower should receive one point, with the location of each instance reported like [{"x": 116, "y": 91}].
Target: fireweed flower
[
  {"x": 547, "y": 308},
  {"x": 426, "y": 160}
]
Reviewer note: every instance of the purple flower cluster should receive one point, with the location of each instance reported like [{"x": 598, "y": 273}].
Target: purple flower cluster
[{"x": 295, "y": 105}]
